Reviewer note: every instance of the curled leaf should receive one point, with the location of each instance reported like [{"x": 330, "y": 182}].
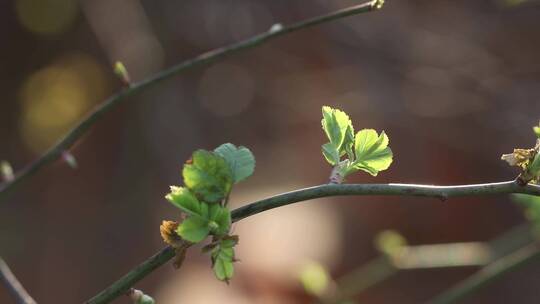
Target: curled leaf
[{"x": 169, "y": 235}]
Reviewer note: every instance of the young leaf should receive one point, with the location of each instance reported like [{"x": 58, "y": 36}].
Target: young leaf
[
  {"x": 183, "y": 198},
  {"x": 331, "y": 153},
  {"x": 209, "y": 176},
  {"x": 240, "y": 160},
  {"x": 193, "y": 229},
  {"x": 336, "y": 124},
  {"x": 223, "y": 258},
  {"x": 536, "y": 130},
  {"x": 222, "y": 217},
  {"x": 348, "y": 142},
  {"x": 372, "y": 151},
  {"x": 223, "y": 269}
]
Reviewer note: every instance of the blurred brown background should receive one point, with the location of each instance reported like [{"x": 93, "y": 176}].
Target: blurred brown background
[{"x": 454, "y": 84}]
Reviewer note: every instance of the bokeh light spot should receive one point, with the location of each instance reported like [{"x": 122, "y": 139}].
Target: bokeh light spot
[
  {"x": 46, "y": 17},
  {"x": 53, "y": 98}
]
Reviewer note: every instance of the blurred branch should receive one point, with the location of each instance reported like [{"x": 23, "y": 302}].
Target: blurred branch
[
  {"x": 444, "y": 192},
  {"x": 13, "y": 285},
  {"x": 276, "y": 31},
  {"x": 489, "y": 274},
  {"x": 384, "y": 267}
]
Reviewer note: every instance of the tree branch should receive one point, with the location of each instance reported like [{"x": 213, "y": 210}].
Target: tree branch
[
  {"x": 13, "y": 285},
  {"x": 65, "y": 143},
  {"x": 444, "y": 192}
]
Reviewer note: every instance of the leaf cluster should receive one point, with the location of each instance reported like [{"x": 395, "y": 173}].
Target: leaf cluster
[
  {"x": 208, "y": 179},
  {"x": 348, "y": 152}
]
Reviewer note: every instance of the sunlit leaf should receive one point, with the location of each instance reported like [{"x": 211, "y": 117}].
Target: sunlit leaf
[
  {"x": 331, "y": 154},
  {"x": 338, "y": 128},
  {"x": 372, "y": 151}
]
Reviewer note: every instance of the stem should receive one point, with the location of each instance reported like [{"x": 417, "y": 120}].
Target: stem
[
  {"x": 72, "y": 136},
  {"x": 13, "y": 285},
  {"x": 124, "y": 283},
  {"x": 489, "y": 274},
  {"x": 440, "y": 192},
  {"x": 121, "y": 286}
]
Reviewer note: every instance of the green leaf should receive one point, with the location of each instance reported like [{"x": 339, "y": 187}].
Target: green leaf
[
  {"x": 536, "y": 130},
  {"x": 338, "y": 127},
  {"x": 183, "y": 198},
  {"x": 223, "y": 269},
  {"x": 209, "y": 176},
  {"x": 222, "y": 217},
  {"x": 240, "y": 160},
  {"x": 223, "y": 258},
  {"x": 348, "y": 142},
  {"x": 372, "y": 151},
  {"x": 331, "y": 153},
  {"x": 193, "y": 229}
]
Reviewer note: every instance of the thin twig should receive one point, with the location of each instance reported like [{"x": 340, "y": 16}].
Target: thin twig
[
  {"x": 72, "y": 136},
  {"x": 489, "y": 274},
  {"x": 13, "y": 285},
  {"x": 124, "y": 283}
]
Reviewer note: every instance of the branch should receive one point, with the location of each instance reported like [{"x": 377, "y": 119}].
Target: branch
[
  {"x": 65, "y": 143},
  {"x": 127, "y": 281},
  {"x": 13, "y": 285},
  {"x": 489, "y": 274}
]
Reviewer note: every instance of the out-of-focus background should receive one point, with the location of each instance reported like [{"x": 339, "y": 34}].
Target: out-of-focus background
[{"x": 454, "y": 83}]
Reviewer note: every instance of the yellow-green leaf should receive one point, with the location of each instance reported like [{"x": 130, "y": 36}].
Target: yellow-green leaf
[{"x": 372, "y": 151}]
